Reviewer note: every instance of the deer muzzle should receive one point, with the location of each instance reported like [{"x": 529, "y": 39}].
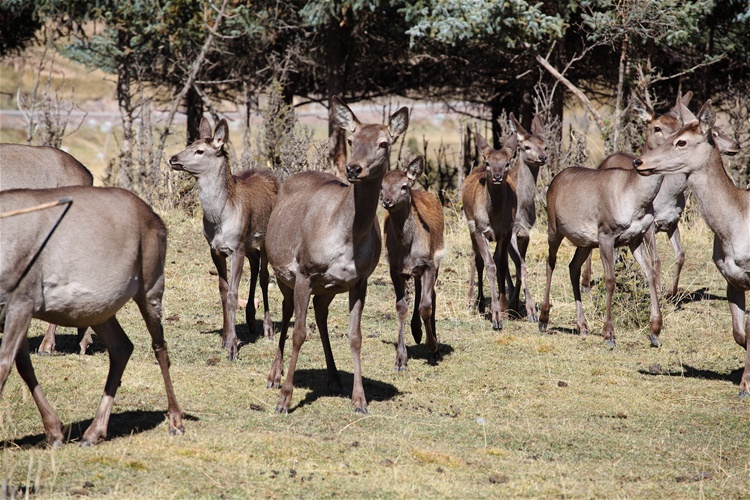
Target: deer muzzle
[
  {"x": 174, "y": 162},
  {"x": 353, "y": 171}
]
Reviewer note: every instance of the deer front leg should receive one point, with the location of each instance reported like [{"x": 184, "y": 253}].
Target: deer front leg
[
  {"x": 253, "y": 258},
  {"x": 299, "y": 334},
  {"x": 357, "y": 296},
  {"x": 287, "y": 310},
  {"x": 741, "y": 331},
  {"x": 579, "y": 257},
  {"x": 639, "y": 252},
  {"x": 679, "y": 258},
  {"x": 402, "y": 309},
  {"x": 264, "y": 278},
  {"x": 586, "y": 276},
  {"x": 48, "y": 342},
  {"x": 237, "y": 262},
  {"x": 553, "y": 244},
  {"x": 649, "y": 242},
  {"x": 523, "y": 246},
  {"x": 320, "y": 306},
  {"x": 483, "y": 246},
  {"x": 220, "y": 262},
  {"x": 607, "y": 254},
  {"x": 427, "y": 310},
  {"x": 16, "y": 327}
]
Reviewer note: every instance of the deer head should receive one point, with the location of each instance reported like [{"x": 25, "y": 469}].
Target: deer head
[
  {"x": 206, "y": 153},
  {"x": 397, "y": 184},
  {"x": 532, "y": 145},
  {"x": 497, "y": 162}
]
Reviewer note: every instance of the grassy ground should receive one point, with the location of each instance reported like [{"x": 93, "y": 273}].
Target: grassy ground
[{"x": 511, "y": 413}]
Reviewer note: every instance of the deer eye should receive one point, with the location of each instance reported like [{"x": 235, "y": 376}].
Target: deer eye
[
  {"x": 528, "y": 148},
  {"x": 404, "y": 188},
  {"x": 199, "y": 151},
  {"x": 383, "y": 145},
  {"x": 657, "y": 129},
  {"x": 349, "y": 141},
  {"x": 681, "y": 143}
]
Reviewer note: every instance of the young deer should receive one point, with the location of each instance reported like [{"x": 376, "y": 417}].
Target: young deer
[
  {"x": 236, "y": 209},
  {"x": 122, "y": 259},
  {"x": 532, "y": 157},
  {"x": 489, "y": 203},
  {"x": 692, "y": 152},
  {"x": 414, "y": 239},
  {"x": 43, "y": 167},
  {"x": 324, "y": 239}
]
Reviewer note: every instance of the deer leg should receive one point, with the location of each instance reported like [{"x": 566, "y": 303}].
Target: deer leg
[
  {"x": 253, "y": 258},
  {"x": 119, "y": 348},
  {"x": 607, "y": 254},
  {"x": 523, "y": 246},
  {"x": 150, "y": 306},
  {"x": 639, "y": 252},
  {"x": 264, "y": 278},
  {"x": 16, "y": 327},
  {"x": 579, "y": 257},
  {"x": 553, "y": 243},
  {"x": 320, "y": 306},
  {"x": 399, "y": 286},
  {"x": 48, "y": 342},
  {"x": 427, "y": 310},
  {"x": 679, "y": 257},
  {"x": 52, "y": 424},
  {"x": 237, "y": 261},
  {"x": 586, "y": 276},
  {"x": 470, "y": 298},
  {"x": 416, "y": 321},
  {"x": 299, "y": 334},
  {"x": 741, "y": 331},
  {"x": 83, "y": 339},
  {"x": 515, "y": 289},
  {"x": 500, "y": 257},
  {"x": 483, "y": 245},
  {"x": 287, "y": 310},
  {"x": 357, "y": 296},
  {"x": 220, "y": 262},
  {"x": 649, "y": 242}
]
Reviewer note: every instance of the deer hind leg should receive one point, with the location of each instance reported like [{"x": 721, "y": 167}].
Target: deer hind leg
[
  {"x": 15, "y": 328},
  {"x": 299, "y": 335},
  {"x": 48, "y": 342},
  {"x": 52, "y": 424},
  {"x": 427, "y": 310},
  {"x": 579, "y": 257},
  {"x": 264, "y": 278},
  {"x": 151, "y": 310},
  {"x": 679, "y": 257},
  {"x": 320, "y": 307},
  {"x": 237, "y": 262},
  {"x": 357, "y": 296},
  {"x": 253, "y": 258},
  {"x": 741, "y": 332},
  {"x": 586, "y": 276},
  {"x": 523, "y": 246},
  {"x": 485, "y": 254},
  {"x": 553, "y": 242},
  {"x": 119, "y": 348},
  {"x": 649, "y": 242},
  {"x": 402, "y": 308},
  {"x": 416, "y": 318},
  {"x": 287, "y": 310},
  {"x": 83, "y": 340},
  {"x": 639, "y": 252},
  {"x": 607, "y": 254},
  {"x": 514, "y": 252}
]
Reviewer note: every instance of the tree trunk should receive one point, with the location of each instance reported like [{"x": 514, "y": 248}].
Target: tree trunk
[
  {"x": 619, "y": 97},
  {"x": 194, "y": 105},
  {"x": 124, "y": 178},
  {"x": 336, "y": 48}
]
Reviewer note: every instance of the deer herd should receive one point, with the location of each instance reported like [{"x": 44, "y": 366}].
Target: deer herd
[{"x": 321, "y": 236}]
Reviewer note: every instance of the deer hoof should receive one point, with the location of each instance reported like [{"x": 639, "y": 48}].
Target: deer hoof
[
  {"x": 610, "y": 343},
  {"x": 744, "y": 394},
  {"x": 497, "y": 324},
  {"x": 542, "y": 327},
  {"x": 532, "y": 318},
  {"x": 654, "y": 340},
  {"x": 282, "y": 410},
  {"x": 360, "y": 410}
]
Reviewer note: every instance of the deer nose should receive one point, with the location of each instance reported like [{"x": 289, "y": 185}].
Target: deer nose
[
  {"x": 353, "y": 170},
  {"x": 173, "y": 159},
  {"x": 388, "y": 203},
  {"x": 542, "y": 158},
  {"x": 497, "y": 178},
  {"x": 637, "y": 162}
]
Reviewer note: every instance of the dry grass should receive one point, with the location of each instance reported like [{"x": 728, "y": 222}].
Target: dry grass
[{"x": 512, "y": 413}]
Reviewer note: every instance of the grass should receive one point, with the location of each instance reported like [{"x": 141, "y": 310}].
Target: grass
[{"x": 512, "y": 414}]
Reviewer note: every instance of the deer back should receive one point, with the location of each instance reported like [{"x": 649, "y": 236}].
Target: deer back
[{"x": 39, "y": 167}]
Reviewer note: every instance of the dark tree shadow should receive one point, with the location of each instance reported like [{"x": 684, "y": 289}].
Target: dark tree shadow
[
  {"x": 734, "y": 376},
  {"x": 683, "y": 298},
  {"x": 317, "y": 382},
  {"x": 67, "y": 343},
  {"x": 120, "y": 424}
]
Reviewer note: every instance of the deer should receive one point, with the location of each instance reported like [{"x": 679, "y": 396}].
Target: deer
[
  {"x": 123, "y": 259},
  {"x": 489, "y": 200},
  {"x": 324, "y": 239},
  {"x": 533, "y": 156},
  {"x": 692, "y": 151},
  {"x": 41, "y": 167},
  {"x": 236, "y": 210},
  {"x": 413, "y": 231},
  {"x": 670, "y": 201}
]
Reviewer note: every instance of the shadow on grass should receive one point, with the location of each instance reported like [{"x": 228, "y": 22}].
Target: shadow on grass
[
  {"x": 554, "y": 330},
  {"x": 734, "y": 376},
  {"x": 120, "y": 424},
  {"x": 317, "y": 382},
  {"x": 420, "y": 351},
  {"x": 67, "y": 343},
  {"x": 687, "y": 297}
]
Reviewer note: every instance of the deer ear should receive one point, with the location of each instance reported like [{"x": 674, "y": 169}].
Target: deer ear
[
  {"x": 643, "y": 110},
  {"x": 415, "y": 168},
  {"x": 684, "y": 114},
  {"x": 707, "y": 117},
  {"x": 343, "y": 115},
  {"x": 221, "y": 134},
  {"x": 516, "y": 127},
  {"x": 685, "y": 98},
  {"x": 482, "y": 145},
  {"x": 204, "y": 130},
  {"x": 537, "y": 126},
  {"x": 512, "y": 144},
  {"x": 399, "y": 122}
]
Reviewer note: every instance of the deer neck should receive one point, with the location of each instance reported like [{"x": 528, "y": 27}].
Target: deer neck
[
  {"x": 403, "y": 222},
  {"x": 533, "y": 169},
  {"x": 718, "y": 200},
  {"x": 364, "y": 198},
  {"x": 216, "y": 191}
]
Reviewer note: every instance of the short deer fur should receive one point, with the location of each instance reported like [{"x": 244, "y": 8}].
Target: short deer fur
[
  {"x": 414, "y": 240},
  {"x": 693, "y": 152},
  {"x": 236, "y": 209},
  {"x": 324, "y": 239},
  {"x": 123, "y": 259},
  {"x": 489, "y": 204},
  {"x": 533, "y": 155},
  {"x": 42, "y": 167}
]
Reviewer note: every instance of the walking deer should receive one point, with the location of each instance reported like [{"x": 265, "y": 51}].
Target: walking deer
[
  {"x": 533, "y": 148},
  {"x": 414, "y": 239},
  {"x": 693, "y": 152},
  {"x": 489, "y": 203},
  {"x": 123, "y": 259},
  {"x": 41, "y": 167},
  {"x": 324, "y": 239},
  {"x": 236, "y": 209}
]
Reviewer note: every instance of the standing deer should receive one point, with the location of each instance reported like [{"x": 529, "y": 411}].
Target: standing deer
[
  {"x": 41, "y": 167},
  {"x": 122, "y": 259},
  {"x": 324, "y": 239},
  {"x": 489, "y": 203},
  {"x": 414, "y": 239},
  {"x": 236, "y": 209},
  {"x": 532, "y": 157},
  {"x": 693, "y": 152}
]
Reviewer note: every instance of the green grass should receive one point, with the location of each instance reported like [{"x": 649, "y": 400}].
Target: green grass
[{"x": 513, "y": 413}]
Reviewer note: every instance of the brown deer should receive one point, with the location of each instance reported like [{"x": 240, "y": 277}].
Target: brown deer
[
  {"x": 236, "y": 209},
  {"x": 533, "y": 155},
  {"x": 489, "y": 203},
  {"x": 693, "y": 152},
  {"x": 324, "y": 239},
  {"x": 414, "y": 239},
  {"x": 41, "y": 167},
  {"x": 122, "y": 260},
  {"x": 670, "y": 201}
]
